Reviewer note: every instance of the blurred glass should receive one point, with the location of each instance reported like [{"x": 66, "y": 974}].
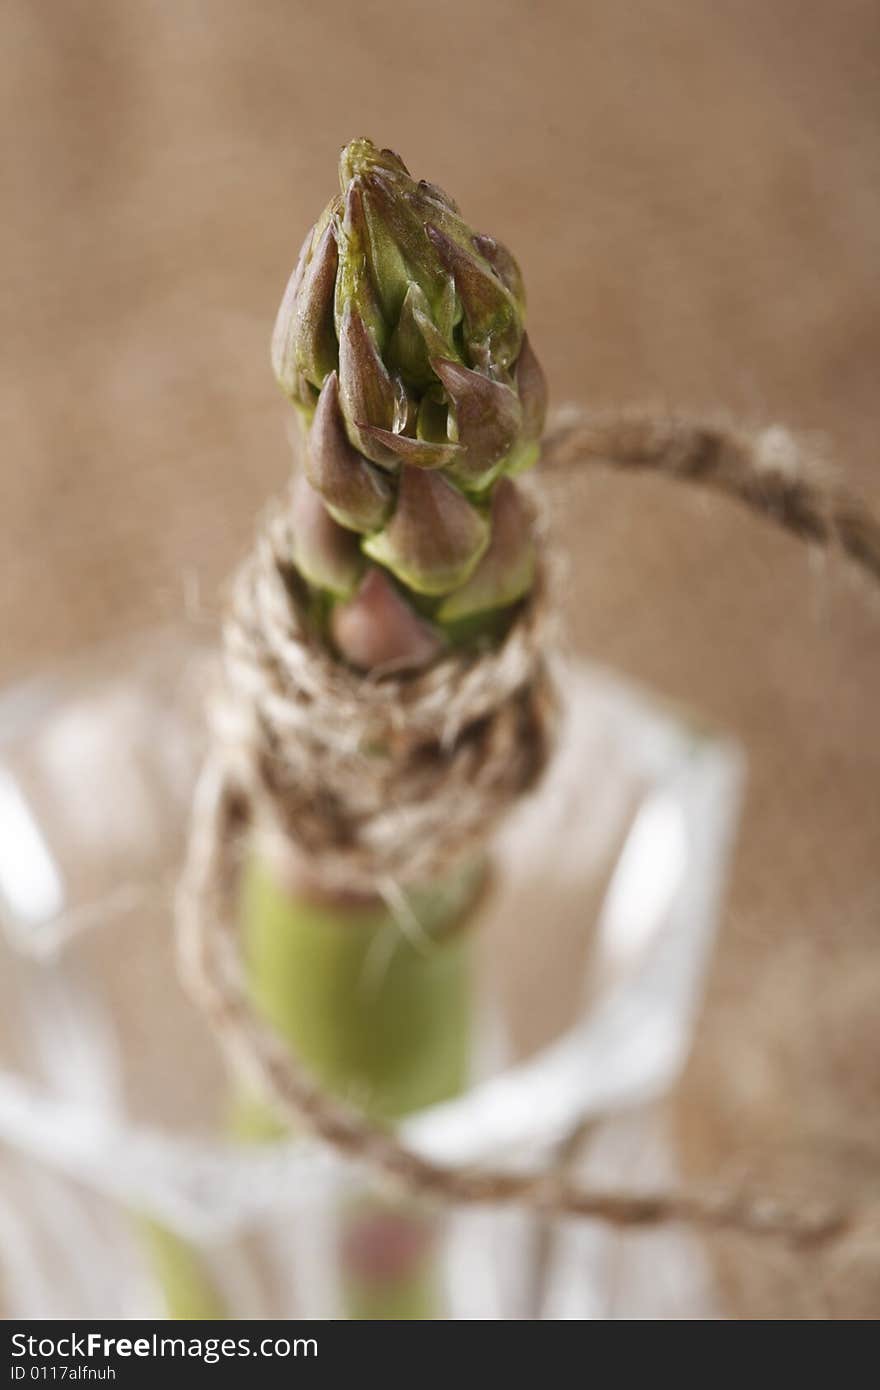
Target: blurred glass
[{"x": 591, "y": 959}]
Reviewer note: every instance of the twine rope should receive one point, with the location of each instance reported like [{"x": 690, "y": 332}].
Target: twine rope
[
  {"x": 768, "y": 470},
  {"x": 458, "y": 730},
  {"x": 391, "y": 776}
]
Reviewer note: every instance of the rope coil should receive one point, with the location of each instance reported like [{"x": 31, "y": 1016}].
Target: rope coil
[
  {"x": 485, "y": 721},
  {"x": 390, "y": 775}
]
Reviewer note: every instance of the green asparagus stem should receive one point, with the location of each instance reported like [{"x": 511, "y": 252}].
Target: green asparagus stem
[
  {"x": 187, "y": 1291},
  {"x": 383, "y": 1019},
  {"x": 380, "y": 1017}
]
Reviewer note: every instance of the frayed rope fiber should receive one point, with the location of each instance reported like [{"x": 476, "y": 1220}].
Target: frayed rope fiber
[{"x": 461, "y": 741}]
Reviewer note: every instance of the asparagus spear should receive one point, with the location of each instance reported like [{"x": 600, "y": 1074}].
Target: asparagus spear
[{"x": 400, "y": 342}]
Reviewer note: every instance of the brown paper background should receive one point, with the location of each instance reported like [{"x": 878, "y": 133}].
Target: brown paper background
[{"x": 692, "y": 190}]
